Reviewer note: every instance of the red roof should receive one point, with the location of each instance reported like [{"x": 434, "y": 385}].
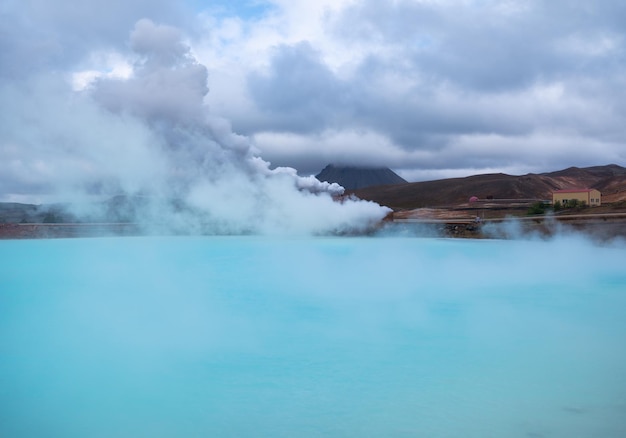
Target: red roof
[{"x": 573, "y": 191}]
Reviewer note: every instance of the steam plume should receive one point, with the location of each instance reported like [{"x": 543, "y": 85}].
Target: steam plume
[{"x": 151, "y": 135}]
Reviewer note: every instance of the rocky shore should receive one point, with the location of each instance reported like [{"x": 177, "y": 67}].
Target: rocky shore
[
  {"x": 600, "y": 227},
  {"x": 47, "y": 231}
]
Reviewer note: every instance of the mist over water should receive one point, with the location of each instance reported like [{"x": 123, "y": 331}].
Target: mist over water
[{"x": 282, "y": 337}]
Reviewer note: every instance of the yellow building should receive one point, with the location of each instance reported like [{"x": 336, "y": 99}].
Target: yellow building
[{"x": 591, "y": 197}]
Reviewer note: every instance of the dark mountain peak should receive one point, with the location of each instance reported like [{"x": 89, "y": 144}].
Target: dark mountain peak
[{"x": 353, "y": 177}]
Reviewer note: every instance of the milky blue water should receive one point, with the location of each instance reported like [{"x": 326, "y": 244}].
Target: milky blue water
[{"x": 311, "y": 337}]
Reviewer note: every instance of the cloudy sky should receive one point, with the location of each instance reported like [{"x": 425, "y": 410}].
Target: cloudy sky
[{"x": 429, "y": 88}]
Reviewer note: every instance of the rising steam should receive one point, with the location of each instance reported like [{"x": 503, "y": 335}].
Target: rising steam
[{"x": 149, "y": 135}]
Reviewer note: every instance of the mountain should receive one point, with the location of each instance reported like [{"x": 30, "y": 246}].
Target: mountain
[
  {"x": 610, "y": 180},
  {"x": 353, "y": 178}
]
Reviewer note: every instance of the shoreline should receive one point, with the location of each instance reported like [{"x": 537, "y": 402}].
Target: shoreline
[
  {"x": 603, "y": 227},
  {"x": 68, "y": 230}
]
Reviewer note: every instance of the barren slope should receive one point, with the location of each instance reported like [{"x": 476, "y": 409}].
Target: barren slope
[{"x": 610, "y": 180}]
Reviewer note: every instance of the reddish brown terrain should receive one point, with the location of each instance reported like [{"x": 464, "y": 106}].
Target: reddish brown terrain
[
  {"x": 498, "y": 198},
  {"x": 499, "y": 188}
]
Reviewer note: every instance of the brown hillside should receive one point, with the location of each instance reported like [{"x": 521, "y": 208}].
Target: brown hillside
[{"x": 610, "y": 180}]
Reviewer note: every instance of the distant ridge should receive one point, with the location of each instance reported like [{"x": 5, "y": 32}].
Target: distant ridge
[
  {"x": 380, "y": 185},
  {"x": 353, "y": 178},
  {"x": 610, "y": 180}
]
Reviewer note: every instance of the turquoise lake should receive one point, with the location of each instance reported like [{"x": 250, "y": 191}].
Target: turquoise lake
[{"x": 312, "y": 337}]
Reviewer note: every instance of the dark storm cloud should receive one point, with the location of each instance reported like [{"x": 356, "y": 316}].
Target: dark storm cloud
[
  {"x": 462, "y": 85},
  {"x": 299, "y": 92},
  {"x": 302, "y": 94},
  {"x": 490, "y": 45},
  {"x": 52, "y": 34}
]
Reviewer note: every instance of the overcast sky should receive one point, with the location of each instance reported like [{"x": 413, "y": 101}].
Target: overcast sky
[{"x": 429, "y": 88}]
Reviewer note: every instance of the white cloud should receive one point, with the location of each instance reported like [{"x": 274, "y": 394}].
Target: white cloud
[
  {"x": 109, "y": 65},
  {"x": 421, "y": 75},
  {"x": 425, "y": 87}
]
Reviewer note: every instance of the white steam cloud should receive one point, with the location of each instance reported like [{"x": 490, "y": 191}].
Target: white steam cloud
[{"x": 150, "y": 135}]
